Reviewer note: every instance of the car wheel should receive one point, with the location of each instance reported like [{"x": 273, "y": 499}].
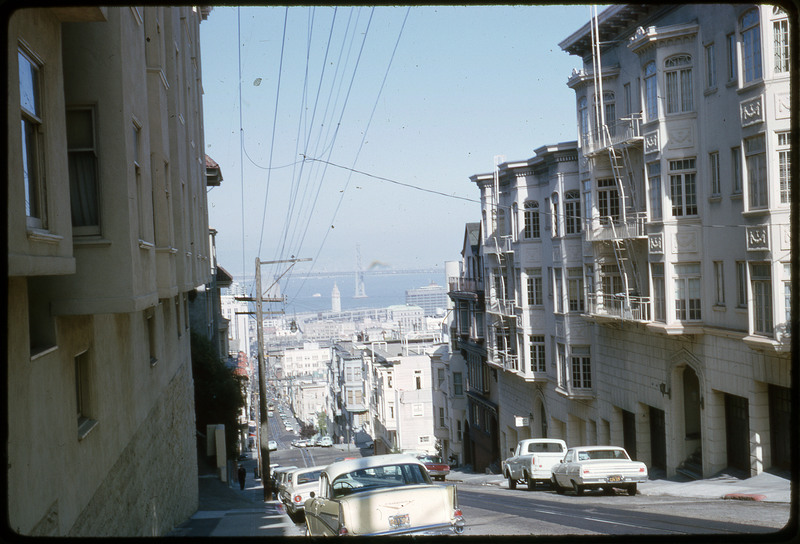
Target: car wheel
[
  {"x": 530, "y": 482},
  {"x": 578, "y": 489},
  {"x": 560, "y": 490},
  {"x": 512, "y": 483},
  {"x": 632, "y": 489}
]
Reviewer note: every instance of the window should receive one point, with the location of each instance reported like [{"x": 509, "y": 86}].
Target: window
[
  {"x": 581, "y": 368},
  {"x": 554, "y": 198},
  {"x": 572, "y": 212},
  {"x": 32, "y": 140},
  {"x": 575, "y": 289},
  {"x": 417, "y": 409},
  {"x": 736, "y": 165},
  {"x": 537, "y": 354},
  {"x": 682, "y": 187},
  {"x": 82, "y": 394},
  {"x": 678, "y": 74},
  {"x": 732, "y": 72},
  {"x": 458, "y": 384},
  {"x": 761, "y": 282},
  {"x": 534, "y": 284},
  {"x": 607, "y": 201},
  {"x": 611, "y": 281},
  {"x": 741, "y": 284},
  {"x": 587, "y": 198},
  {"x": 442, "y": 422},
  {"x": 687, "y": 292},
  {"x": 751, "y": 45},
  {"x": 501, "y": 222},
  {"x": 418, "y": 379},
  {"x": 458, "y": 430},
  {"x": 626, "y": 96},
  {"x": 650, "y": 94},
  {"x": 389, "y": 380},
  {"x": 531, "y": 229},
  {"x": 439, "y": 377},
  {"x": 711, "y": 70},
  {"x": 787, "y": 291},
  {"x": 659, "y": 292},
  {"x": 583, "y": 117},
  {"x": 756, "y": 164},
  {"x": 780, "y": 32},
  {"x": 654, "y": 180},
  {"x": 719, "y": 283},
  {"x": 150, "y": 330},
  {"x": 713, "y": 165},
  {"x": 784, "y": 167},
  {"x": 83, "y": 194},
  {"x": 561, "y": 368},
  {"x": 610, "y": 112},
  {"x": 558, "y": 290}
]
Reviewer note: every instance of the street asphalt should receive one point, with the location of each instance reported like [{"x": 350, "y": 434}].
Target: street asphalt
[{"x": 225, "y": 510}]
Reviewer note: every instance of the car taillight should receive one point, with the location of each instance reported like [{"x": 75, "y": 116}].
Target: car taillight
[
  {"x": 457, "y": 512},
  {"x": 343, "y": 531},
  {"x": 586, "y": 471},
  {"x": 641, "y": 469},
  {"x": 297, "y": 498}
]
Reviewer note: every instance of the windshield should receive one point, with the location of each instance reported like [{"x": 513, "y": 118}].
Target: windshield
[
  {"x": 306, "y": 477},
  {"x": 430, "y": 459},
  {"x": 379, "y": 477},
  {"x": 602, "y": 454}
]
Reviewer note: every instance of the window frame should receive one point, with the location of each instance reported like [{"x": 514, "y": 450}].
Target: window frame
[
  {"x": 781, "y": 42},
  {"x": 711, "y": 66},
  {"x": 531, "y": 229},
  {"x": 762, "y": 318},
  {"x": 755, "y": 162},
  {"x": 575, "y": 299},
  {"x": 719, "y": 283},
  {"x": 783, "y": 149},
  {"x": 678, "y": 84},
  {"x": 750, "y": 32},
  {"x": 538, "y": 353},
  {"x": 580, "y": 368},
  {"x": 32, "y": 142},
  {"x": 688, "y": 292},
  {"x": 650, "y": 91},
  {"x": 533, "y": 284},
  {"x": 88, "y": 187},
  {"x": 572, "y": 212},
  {"x": 608, "y": 200},
  {"x": 683, "y": 187},
  {"x": 741, "y": 284},
  {"x": 714, "y": 171},
  {"x": 654, "y": 189},
  {"x": 659, "y": 292}
]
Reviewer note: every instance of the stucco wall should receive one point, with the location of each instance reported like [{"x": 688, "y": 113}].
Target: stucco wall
[{"x": 153, "y": 485}]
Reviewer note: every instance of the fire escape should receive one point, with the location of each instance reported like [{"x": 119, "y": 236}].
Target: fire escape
[{"x": 619, "y": 239}]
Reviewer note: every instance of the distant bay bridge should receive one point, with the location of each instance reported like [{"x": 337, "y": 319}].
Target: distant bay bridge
[{"x": 351, "y": 273}]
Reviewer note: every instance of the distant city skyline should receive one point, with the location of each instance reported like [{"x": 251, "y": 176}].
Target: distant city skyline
[{"x": 412, "y": 101}]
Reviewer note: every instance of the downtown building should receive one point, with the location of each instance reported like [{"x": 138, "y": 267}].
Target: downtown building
[
  {"x": 108, "y": 238},
  {"x": 662, "y": 266}
]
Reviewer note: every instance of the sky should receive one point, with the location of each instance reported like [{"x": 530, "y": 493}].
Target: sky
[{"x": 354, "y": 130}]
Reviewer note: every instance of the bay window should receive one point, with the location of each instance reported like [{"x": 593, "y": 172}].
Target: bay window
[
  {"x": 751, "y": 45},
  {"x": 678, "y": 77},
  {"x": 756, "y": 165},
  {"x": 683, "y": 188},
  {"x": 687, "y": 292}
]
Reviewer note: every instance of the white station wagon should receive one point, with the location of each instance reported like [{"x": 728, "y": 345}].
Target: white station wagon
[
  {"x": 381, "y": 495},
  {"x": 598, "y": 467}
]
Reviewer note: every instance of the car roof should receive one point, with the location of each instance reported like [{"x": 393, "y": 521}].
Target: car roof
[
  {"x": 284, "y": 469},
  {"x": 349, "y": 465},
  {"x": 594, "y": 448},
  {"x": 303, "y": 470}
]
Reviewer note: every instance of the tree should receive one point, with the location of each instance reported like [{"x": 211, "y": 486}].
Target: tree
[
  {"x": 217, "y": 392},
  {"x": 307, "y": 430},
  {"x": 322, "y": 423}
]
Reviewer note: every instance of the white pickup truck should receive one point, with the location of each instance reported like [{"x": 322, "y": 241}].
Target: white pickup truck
[{"x": 532, "y": 461}]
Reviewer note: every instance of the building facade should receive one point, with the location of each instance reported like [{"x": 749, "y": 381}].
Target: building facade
[
  {"x": 684, "y": 133},
  {"x": 107, "y": 236},
  {"x": 431, "y": 298}
]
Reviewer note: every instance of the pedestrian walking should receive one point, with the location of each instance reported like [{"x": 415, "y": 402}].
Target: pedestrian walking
[{"x": 242, "y": 476}]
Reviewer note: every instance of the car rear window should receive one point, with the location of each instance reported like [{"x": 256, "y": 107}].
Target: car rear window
[{"x": 546, "y": 447}]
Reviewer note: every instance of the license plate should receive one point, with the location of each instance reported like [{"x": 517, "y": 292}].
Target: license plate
[
  {"x": 400, "y": 521},
  {"x": 615, "y": 478}
]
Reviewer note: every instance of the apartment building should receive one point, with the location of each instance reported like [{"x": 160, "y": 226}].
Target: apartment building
[
  {"x": 107, "y": 236},
  {"x": 684, "y": 132},
  {"x": 401, "y": 401},
  {"x": 235, "y": 311},
  {"x": 431, "y": 298}
]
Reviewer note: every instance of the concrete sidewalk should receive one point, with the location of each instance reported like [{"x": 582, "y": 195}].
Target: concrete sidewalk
[
  {"x": 225, "y": 510},
  {"x": 763, "y": 487}
]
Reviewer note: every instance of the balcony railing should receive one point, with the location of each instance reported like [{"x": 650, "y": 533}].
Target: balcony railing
[
  {"x": 616, "y": 306},
  {"x": 605, "y": 228},
  {"x": 502, "y": 306},
  {"x": 503, "y": 359},
  {"x": 621, "y": 131},
  {"x": 464, "y": 285},
  {"x": 496, "y": 245}
]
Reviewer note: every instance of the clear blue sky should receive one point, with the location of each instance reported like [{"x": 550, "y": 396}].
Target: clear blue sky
[{"x": 465, "y": 84}]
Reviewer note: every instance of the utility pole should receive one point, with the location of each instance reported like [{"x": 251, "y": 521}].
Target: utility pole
[{"x": 263, "y": 434}]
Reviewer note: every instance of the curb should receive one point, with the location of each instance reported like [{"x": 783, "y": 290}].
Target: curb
[{"x": 745, "y": 496}]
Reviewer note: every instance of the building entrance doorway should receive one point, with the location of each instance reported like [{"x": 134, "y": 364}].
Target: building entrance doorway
[
  {"x": 658, "y": 439},
  {"x": 737, "y": 432}
]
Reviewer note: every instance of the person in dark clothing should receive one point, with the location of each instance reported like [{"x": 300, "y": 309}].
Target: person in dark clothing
[{"x": 242, "y": 475}]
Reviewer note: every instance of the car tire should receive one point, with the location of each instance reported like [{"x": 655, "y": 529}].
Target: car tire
[
  {"x": 578, "y": 489},
  {"x": 530, "y": 482},
  {"x": 632, "y": 489},
  {"x": 554, "y": 483},
  {"x": 512, "y": 483}
]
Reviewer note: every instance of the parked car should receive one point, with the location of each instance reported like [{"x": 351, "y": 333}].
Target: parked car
[
  {"x": 598, "y": 467},
  {"x": 381, "y": 495},
  {"x": 325, "y": 442},
  {"x": 436, "y": 468},
  {"x": 272, "y": 445},
  {"x": 301, "y": 443},
  {"x": 533, "y": 460},
  {"x": 279, "y": 478},
  {"x": 304, "y": 481}
]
